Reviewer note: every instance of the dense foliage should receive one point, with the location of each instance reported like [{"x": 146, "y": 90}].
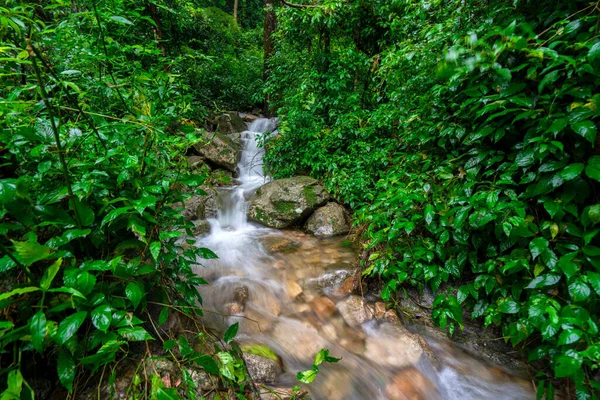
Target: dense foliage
[
  {"x": 97, "y": 112},
  {"x": 465, "y": 133}
]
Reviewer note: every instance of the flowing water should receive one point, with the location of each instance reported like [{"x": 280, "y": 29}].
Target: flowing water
[{"x": 283, "y": 287}]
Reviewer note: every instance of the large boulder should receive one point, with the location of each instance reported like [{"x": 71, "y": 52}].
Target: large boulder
[
  {"x": 201, "y": 207},
  {"x": 232, "y": 125},
  {"x": 285, "y": 202},
  {"x": 329, "y": 220},
  {"x": 262, "y": 369},
  {"x": 219, "y": 149}
]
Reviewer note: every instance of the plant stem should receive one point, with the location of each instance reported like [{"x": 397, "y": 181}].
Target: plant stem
[{"x": 61, "y": 153}]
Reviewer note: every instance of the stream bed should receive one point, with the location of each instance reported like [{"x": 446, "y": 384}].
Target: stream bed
[{"x": 292, "y": 292}]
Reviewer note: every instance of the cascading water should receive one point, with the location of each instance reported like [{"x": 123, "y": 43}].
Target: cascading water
[{"x": 281, "y": 288}]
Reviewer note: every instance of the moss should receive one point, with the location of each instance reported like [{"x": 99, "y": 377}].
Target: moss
[
  {"x": 309, "y": 195},
  {"x": 260, "y": 350},
  {"x": 284, "y": 206}
]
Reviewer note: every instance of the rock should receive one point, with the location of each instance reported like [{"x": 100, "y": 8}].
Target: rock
[
  {"x": 233, "y": 308},
  {"x": 354, "y": 311},
  {"x": 285, "y": 202},
  {"x": 241, "y": 294},
  {"x": 298, "y": 340},
  {"x": 329, "y": 220},
  {"x": 230, "y": 124},
  {"x": 280, "y": 244},
  {"x": 401, "y": 349},
  {"x": 391, "y": 316},
  {"x": 200, "y": 207},
  {"x": 293, "y": 289},
  {"x": 195, "y": 161},
  {"x": 249, "y": 117},
  {"x": 201, "y": 227},
  {"x": 219, "y": 149},
  {"x": 221, "y": 177},
  {"x": 411, "y": 384},
  {"x": 379, "y": 310},
  {"x": 323, "y": 307},
  {"x": 261, "y": 369},
  {"x": 348, "y": 287},
  {"x": 330, "y": 279}
]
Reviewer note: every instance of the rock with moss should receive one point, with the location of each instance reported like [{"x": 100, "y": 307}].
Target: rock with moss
[
  {"x": 231, "y": 125},
  {"x": 219, "y": 149},
  {"x": 286, "y": 202},
  {"x": 329, "y": 220},
  {"x": 262, "y": 369}
]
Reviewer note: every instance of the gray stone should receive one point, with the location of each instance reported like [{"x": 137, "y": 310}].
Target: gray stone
[
  {"x": 231, "y": 124},
  {"x": 261, "y": 369},
  {"x": 201, "y": 227},
  {"x": 354, "y": 310},
  {"x": 329, "y": 220},
  {"x": 201, "y": 207},
  {"x": 219, "y": 149},
  {"x": 285, "y": 202}
]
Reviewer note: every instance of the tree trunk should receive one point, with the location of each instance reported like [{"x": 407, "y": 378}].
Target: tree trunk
[
  {"x": 235, "y": 10},
  {"x": 158, "y": 34},
  {"x": 270, "y": 25}
]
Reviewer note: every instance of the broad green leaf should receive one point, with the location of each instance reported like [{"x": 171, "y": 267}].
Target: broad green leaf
[
  {"x": 569, "y": 336},
  {"x": 163, "y": 316},
  {"x": 155, "y": 250},
  {"x": 49, "y": 275},
  {"x": 37, "y": 328},
  {"x": 231, "y": 332},
  {"x": 566, "y": 366},
  {"x": 67, "y": 237},
  {"x": 543, "y": 281},
  {"x": 66, "y": 369},
  {"x": 429, "y": 214},
  {"x": 579, "y": 290},
  {"x": 587, "y": 129},
  {"x": 104, "y": 355},
  {"x": 538, "y": 246},
  {"x": 593, "y": 168},
  {"x": 594, "y": 280},
  {"x": 572, "y": 171},
  {"x": 594, "y": 52},
  {"x": 208, "y": 363},
  {"x": 114, "y": 214},
  {"x": 307, "y": 376},
  {"x": 102, "y": 317},
  {"x": 30, "y": 252},
  {"x": 206, "y": 254},
  {"x": 508, "y": 306},
  {"x": 134, "y": 292},
  {"x": 69, "y": 326},
  {"x": 85, "y": 282},
  {"x": 121, "y": 20},
  {"x": 6, "y": 264}
]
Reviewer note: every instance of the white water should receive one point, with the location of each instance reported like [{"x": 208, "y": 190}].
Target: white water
[{"x": 250, "y": 256}]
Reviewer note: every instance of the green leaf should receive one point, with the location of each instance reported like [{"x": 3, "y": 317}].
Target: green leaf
[
  {"x": 572, "y": 171},
  {"x": 206, "y": 254},
  {"x": 587, "y": 129},
  {"x": 121, "y": 20},
  {"x": 85, "y": 282},
  {"x": 66, "y": 369},
  {"x": 104, "y": 355},
  {"x": 155, "y": 250},
  {"x": 6, "y": 264},
  {"x": 508, "y": 306},
  {"x": 67, "y": 237},
  {"x": 569, "y": 336},
  {"x": 37, "y": 328},
  {"x": 49, "y": 275},
  {"x": 163, "y": 316},
  {"x": 208, "y": 363},
  {"x": 134, "y": 292},
  {"x": 538, "y": 246},
  {"x": 231, "y": 332},
  {"x": 136, "y": 333},
  {"x": 543, "y": 281},
  {"x": 593, "y": 168},
  {"x": 30, "y": 252},
  {"x": 594, "y": 280},
  {"x": 429, "y": 214},
  {"x": 102, "y": 317},
  {"x": 15, "y": 292},
  {"x": 69, "y": 326},
  {"x": 114, "y": 214},
  {"x": 307, "y": 376},
  {"x": 566, "y": 366},
  {"x": 579, "y": 290},
  {"x": 594, "y": 52}
]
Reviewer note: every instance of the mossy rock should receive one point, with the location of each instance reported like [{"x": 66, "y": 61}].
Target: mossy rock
[{"x": 286, "y": 202}]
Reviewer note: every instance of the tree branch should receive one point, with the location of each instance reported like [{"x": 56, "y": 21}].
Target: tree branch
[{"x": 293, "y": 5}]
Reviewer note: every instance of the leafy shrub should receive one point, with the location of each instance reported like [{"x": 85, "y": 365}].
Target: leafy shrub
[{"x": 467, "y": 144}]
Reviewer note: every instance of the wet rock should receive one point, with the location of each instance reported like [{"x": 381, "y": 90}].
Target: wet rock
[
  {"x": 200, "y": 207},
  {"x": 221, "y": 177},
  {"x": 354, "y": 311},
  {"x": 255, "y": 322},
  {"x": 300, "y": 341},
  {"x": 280, "y": 244},
  {"x": 411, "y": 384},
  {"x": 285, "y": 202},
  {"x": 219, "y": 149},
  {"x": 231, "y": 124},
  {"x": 323, "y": 307},
  {"x": 241, "y": 294},
  {"x": 329, "y": 220},
  {"x": 379, "y": 310},
  {"x": 337, "y": 385},
  {"x": 400, "y": 349},
  {"x": 261, "y": 369},
  {"x": 233, "y": 308},
  {"x": 249, "y": 117},
  {"x": 348, "y": 287},
  {"x": 391, "y": 316},
  {"x": 195, "y": 161},
  {"x": 201, "y": 227},
  {"x": 279, "y": 264},
  {"x": 330, "y": 279},
  {"x": 293, "y": 289}
]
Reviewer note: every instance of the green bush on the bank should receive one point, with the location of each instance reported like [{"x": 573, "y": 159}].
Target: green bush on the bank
[{"x": 465, "y": 135}]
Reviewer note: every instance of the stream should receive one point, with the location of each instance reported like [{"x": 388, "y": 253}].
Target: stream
[{"x": 286, "y": 290}]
